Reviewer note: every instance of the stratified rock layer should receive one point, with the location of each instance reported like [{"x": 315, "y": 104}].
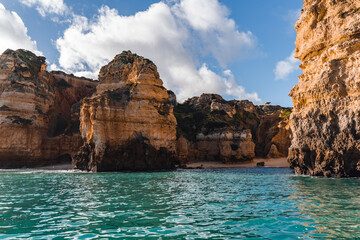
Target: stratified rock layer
[
  {"x": 126, "y": 121},
  {"x": 213, "y": 129},
  {"x": 128, "y": 124},
  {"x": 37, "y": 121},
  {"x": 326, "y": 119}
]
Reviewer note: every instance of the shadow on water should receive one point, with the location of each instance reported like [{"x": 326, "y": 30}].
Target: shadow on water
[{"x": 259, "y": 203}]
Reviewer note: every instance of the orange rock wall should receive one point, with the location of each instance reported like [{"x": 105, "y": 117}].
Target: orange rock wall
[
  {"x": 31, "y": 102},
  {"x": 130, "y": 104},
  {"x": 326, "y": 121}
]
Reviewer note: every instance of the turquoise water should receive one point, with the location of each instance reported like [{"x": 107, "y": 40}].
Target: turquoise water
[{"x": 253, "y": 203}]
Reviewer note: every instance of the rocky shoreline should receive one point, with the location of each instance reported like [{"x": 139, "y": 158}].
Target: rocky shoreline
[
  {"x": 256, "y": 162},
  {"x": 126, "y": 121}
]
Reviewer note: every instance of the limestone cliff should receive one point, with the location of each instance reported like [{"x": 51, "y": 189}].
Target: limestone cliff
[
  {"x": 213, "y": 129},
  {"x": 326, "y": 120},
  {"x": 125, "y": 122},
  {"x": 35, "y": 111},
  {"x": 128, "y": 124}
]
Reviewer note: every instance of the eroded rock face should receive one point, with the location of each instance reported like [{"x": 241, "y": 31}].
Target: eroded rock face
[
  {"x": 128, "y": 124},
  {"x": 326, "y": 117},
  {"x": 273, "y": 135},
  {"x": 126, "y": 121},
  {"x": 212, "y": 129},
  {"x": 35, "y": 111}
]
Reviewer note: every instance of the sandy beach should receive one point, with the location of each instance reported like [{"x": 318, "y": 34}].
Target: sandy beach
[
  {"x": 64, "y": 166},
  {"x": 269, "y": 162}
]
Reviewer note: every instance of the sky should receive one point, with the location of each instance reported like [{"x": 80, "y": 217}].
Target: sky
[{"x": 238, "y": 49}]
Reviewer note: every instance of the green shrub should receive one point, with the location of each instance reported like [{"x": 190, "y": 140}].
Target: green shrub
[{"x": 285, "y": 113}]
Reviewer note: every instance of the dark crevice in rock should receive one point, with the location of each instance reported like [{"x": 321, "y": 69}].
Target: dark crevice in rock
[{"x": 19, "y": 120}]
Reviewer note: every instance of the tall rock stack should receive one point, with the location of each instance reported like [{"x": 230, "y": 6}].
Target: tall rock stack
[
  {"x": 128, "y": 124},
  {"x": 326, "y": 117}
]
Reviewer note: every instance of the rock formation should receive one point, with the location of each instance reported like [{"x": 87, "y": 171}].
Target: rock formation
[
  {"x": 212, "y": 129},
  {"x": 36, "y": 121},
  {"x": 125, "y": 121},
  {"x": 128, "y": 124},
  {"x": 273, "y": 135},
  {"x": 326, "y": 117}
]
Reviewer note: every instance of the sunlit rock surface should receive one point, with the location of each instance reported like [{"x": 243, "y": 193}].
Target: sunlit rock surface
[
  {"x": 125, "y": 122},
  {"x": 37, "y": 111},
  {"x": 128, "y": 124},
  {"x": 326, "y": 119}
]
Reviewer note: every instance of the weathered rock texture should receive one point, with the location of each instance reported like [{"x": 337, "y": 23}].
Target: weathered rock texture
[
  {"x": 326, "y": 117},
  {"x": 36, "y": 121},
  {"x": 128, "y": 124},
  {"x": 125, "y": 122},
  {"x": 273, "y": 135},
  {"x": 212, "y": 129}
]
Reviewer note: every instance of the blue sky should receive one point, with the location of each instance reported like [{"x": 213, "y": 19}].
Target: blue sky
[{"x": 239, "y": 49}]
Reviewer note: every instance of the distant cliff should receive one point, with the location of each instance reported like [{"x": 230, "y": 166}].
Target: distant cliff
[
  {"x": 38, "y": 111},
  {"x": 326, "y": 122},
  {"x": 213, "y": 129}
]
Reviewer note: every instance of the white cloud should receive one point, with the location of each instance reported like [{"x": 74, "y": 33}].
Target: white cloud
[
  {"x": 165, "y": 34},
  {"x": 217, "y": 31},
  {"x": 233, "y": 89},
  {"x": 286, "y": 67},
  {"x": 13, "y": 32},
  {"x": 212, "y": 15},
  {"x": 46, "y": 7},
  {"x": 53, "y": 67}
]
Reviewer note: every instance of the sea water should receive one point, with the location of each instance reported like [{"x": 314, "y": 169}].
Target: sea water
[{"x": 246, "y": 203}]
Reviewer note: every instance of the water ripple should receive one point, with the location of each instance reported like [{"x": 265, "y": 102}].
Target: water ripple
[{"x": 191, "y": 204}]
